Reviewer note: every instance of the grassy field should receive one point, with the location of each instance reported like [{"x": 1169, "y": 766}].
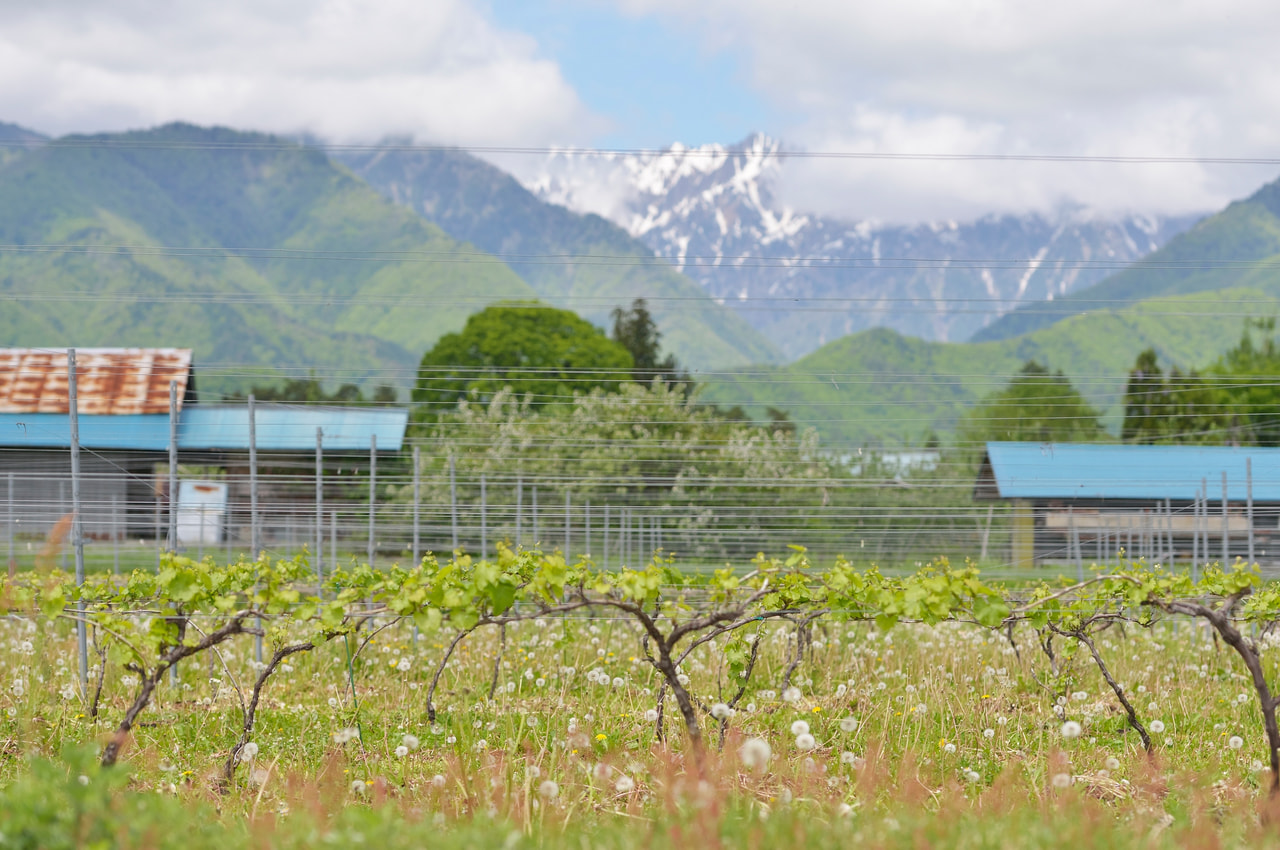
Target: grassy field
[{"x": 546, "y": 736}]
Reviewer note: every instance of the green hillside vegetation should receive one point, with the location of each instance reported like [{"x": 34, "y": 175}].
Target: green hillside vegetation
[
  {"x": 881, "y": 388},
  {"x": 479, "y": 203},
  {"x": 1238, "y": 247},
  {"x": 182, "y": 240}
]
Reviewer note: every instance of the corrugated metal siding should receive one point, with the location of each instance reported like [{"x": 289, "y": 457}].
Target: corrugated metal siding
[
  {"x": 211, "y": 428},
  {"x": 289, "y": 428},
  {"x": 119, "y": 381},
  {"x": 1075, "y": 471}
]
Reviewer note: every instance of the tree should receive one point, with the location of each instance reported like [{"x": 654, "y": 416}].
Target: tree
[
  {"x": 1235, "y": 401},
  {"x": 310, "y": 390},
  {"x": 637, "y": 332},
  {"x": 542, "y": 354},
  {"x": 1037, "y": 405},
  {"x": 1146, "y": 401}
]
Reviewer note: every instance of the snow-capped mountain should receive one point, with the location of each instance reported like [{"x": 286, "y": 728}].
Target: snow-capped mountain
[{"x": 806, "y": 279}]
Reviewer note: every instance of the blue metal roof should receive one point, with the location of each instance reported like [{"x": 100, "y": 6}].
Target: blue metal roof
[
  {"x": 1078, "y": 471},
  {"x": 211, "y": 427}
]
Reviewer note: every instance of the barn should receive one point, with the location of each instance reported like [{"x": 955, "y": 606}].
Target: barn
[
  {"x": 125, "y": 428},
  {"x": 1175, "y": 505}
]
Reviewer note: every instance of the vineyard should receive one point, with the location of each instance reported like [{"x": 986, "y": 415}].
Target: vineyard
[{"x": 525, "y": 700}]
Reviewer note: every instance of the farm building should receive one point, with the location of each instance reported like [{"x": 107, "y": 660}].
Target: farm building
[
  {"x": 1078, "y": 503},
  {"x": 124, "y": 424}
]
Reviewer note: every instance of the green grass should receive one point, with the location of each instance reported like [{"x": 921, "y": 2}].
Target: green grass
[{"x": 921, "y": 768}]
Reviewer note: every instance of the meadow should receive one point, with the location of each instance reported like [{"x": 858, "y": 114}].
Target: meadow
[{"x": 528, "y": 703}]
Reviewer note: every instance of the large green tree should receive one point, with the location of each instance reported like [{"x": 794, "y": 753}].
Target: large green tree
[
  {"x": 1036, "y": 405},
  {"x": 543, "y": 354}
]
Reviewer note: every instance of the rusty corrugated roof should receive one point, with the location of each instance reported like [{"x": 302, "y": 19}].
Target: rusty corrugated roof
[{"x": 108, "y": 380}]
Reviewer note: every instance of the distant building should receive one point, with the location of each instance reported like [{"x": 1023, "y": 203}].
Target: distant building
[
  {"x": 123, "y": 401},
  {"x": 1168, "y": 504}
]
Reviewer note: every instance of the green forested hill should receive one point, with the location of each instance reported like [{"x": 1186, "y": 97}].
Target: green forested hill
[
  {"x": 479, "y": 203},
  {"x": 1239, "y": 246},
  {"x": 247, "y": 250},
  {"x": 879, "y": 387}
]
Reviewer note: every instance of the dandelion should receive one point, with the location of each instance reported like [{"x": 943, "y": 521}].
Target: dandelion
[
  {"x": 437, "y": 781},
  {"x": 548, "y": 790},
  {"x": 791, "y": 695},
  {"x": 625, "y": 784},
  {"x": 1071, "y": 729},
  {"x": 1157, "y": 726},
  {"x": 948, "y": 748},
  {"x": 841, "y": 690},
  {"x": 988, "y": 733},
  {"x": 1242, "y": 698},
  {"x": 1152, "y": 707},
  {"x": 1080, "y": 696},
  {"x": 683, "y": 680},
  {"x": 848, "y": 724},
  {"x": 343, "y": 736},
  {"x": 971, "y": 775},
  {"x": 1112, "y": 763},
  {"x": 755, "y": 752},
  {"x": 720, "y": 711},
  {"x": 851, "y": 759},
  {"x": 402, "y": 751},
  {"x": 800, "y": 727},
  {"x": 805, "y": 742},
  {"x": 1002, "y": 720},
  {"x": 357, "y": 786},
  {"x": 651, "y": 716},
  {"x": 1061, "y": 780},
  {"x": 249, "y": 751},
  {"x": 411, "y": 741},
  {"x": 403, "y": 665},
  {"x": 1235, "y": 742}
]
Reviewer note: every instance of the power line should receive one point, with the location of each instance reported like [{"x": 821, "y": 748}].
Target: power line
[{"x": 710, "y": 152}]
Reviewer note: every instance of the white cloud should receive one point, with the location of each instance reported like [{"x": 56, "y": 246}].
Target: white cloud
[
  {"x": 435, "y": 69},
  {"x": 1089, "y": 77}
]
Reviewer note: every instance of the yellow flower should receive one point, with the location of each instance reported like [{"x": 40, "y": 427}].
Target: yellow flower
[
  {"x": 817, "y": 708},
  {"x": 601, "y": 736}
]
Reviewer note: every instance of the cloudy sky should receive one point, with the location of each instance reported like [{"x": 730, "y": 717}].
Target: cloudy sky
[{"x": 1140, "y": 78}]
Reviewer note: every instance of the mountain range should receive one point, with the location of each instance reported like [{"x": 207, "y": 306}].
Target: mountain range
[
  {"x": 267, "y": 256},
  {"x": 804, "y": 280},
  {"x": 1188, "y": 300}
]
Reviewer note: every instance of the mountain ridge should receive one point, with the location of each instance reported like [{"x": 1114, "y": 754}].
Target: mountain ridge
[
  {"x": 583, "y": 262},
  {"x": 714, "y": 213}
]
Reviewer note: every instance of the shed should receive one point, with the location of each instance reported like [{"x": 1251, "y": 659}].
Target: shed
[
  {"x": 124, "y": 426},
  {"x": 1167, "y": 504}
]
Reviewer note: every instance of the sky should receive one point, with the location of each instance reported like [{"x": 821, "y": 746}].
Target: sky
[{"x": 1173, "y": 78}]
